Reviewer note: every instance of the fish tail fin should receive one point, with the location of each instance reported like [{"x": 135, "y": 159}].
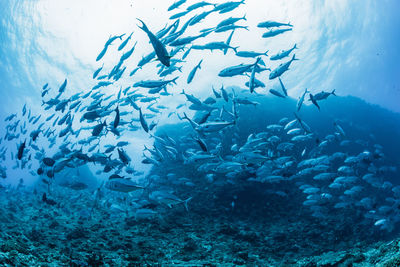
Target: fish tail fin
[
  {"x": 294, "y": 57},
  {"x": 246, "y": 27},
  {"x": 201, "y": 61},
  {"x": 314, "y": 101},
  {"x": 143, "y": 27},
  {"x": 183, "y": 92},
  {"x": 185, "y": 203},
  {"x": 295, "y": 46},
  {"x": 266, "y": 53},
  {"x": 333, "y": 92},
  {"x": 235, "y": 48},
  {"x": 244, "y": 17},
  {"x": 174, "y": 79}
]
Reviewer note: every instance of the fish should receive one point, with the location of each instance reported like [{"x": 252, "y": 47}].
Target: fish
[
  {"x": 303, "y": 125},
  {"x": 224, "y": 94},
  {"x": 301, "y": 100},
  {"x": 193, "y": 72},
  {"x": 75, "y": 185},
  {"x": 117, "y": 118},
  {"x": 159, "y": 48},
  {"x": 283, "y": 87},
  {"x": 176, "y": 5},
  {"x": 127, "y": 54},
  {"x": 97, "y": 72},
  {"x": 109, "y": 41},
  {"x": 339, "y": 129},
  {"x": 191, "y": 98},
  {"x": 123, "y": 156},
  {"x": 98, "y": 128},
  {"x": 270, "y": 24},
  {"x": 102, "y": 53},
  {"x": 161, "y": 33},
  {"x": 216, "y": 94},
  {"x": 274, "y": 92},
  {"x": 62, "y": 87},
  {"x": 63, "y": 119},
  {"x": 197, "y": 18},
  {"x": 101, "y": 84},
  {"x": 282, "y": 68},
  {"x": 21, "y": 150},
  {"x": 65, "y": 131},
  {"x": 154, "y": 83},
  {"x": 214, "y": 46},
  {"x": 10, "y": 117},
  {"x": 124, "y": 43},
  {"x": 323, "y": 95},
  {"x": 35, "y": 134},
  {"x": 282, "y": 54},
  {"x": 145, "y": 59},
  {"x": 312, "y": 99},
  {"x": 272, "y": 33},
  {"x": 198, "y": 5},
  {"x": 170, "y": 70},
  {"x": 49, "y": 162},
  {"x": 122, "y": 185},
  {"x": 230, "y": 27},
  {"x": 244, "y": 101},
  {"x": 230, "y": 21},
  {"x": 227, "y": 6},
  {"x": 235, "y": 70},
  {"x": 168, "y": 199},
  {"x": 186, "y": 40},
  {"x": 214, "y": 126},
  {"x": 209, "y": 101},
  {"x": 186, "y": 53},
  {"x": 252, "y": 76},
  {"x": 228, "y": 41},
  {"x": 143, "y": 121},
  {"x": 250, "y": 54}
]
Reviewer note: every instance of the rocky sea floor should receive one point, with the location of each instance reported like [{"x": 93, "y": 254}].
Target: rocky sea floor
[{"x": 70, "y": 233}]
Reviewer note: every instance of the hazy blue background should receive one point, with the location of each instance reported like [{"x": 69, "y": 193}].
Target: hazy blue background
[{"x": 350, "y": 46}]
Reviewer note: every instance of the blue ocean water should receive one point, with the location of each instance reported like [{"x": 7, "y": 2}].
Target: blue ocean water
[{"x": 110, "y": 160}]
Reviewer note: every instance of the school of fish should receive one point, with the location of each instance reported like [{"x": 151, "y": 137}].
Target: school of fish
[{"x": 76, "y": 126}]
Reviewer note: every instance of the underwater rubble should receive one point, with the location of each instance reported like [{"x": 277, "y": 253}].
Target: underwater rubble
[{"x": 34, "y": 234}]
